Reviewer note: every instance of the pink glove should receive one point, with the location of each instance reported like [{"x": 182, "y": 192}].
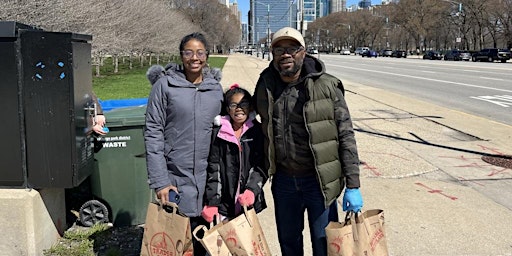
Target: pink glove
[
  {"x": 246, "y": 198},
  {"x": 209, "y": 212}
]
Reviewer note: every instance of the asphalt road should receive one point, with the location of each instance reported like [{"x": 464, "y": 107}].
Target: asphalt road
[{"x": 479, "y": 88}]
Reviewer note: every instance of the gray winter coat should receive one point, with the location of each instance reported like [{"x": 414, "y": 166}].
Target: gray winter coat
[{"x": 177, "y": 134}]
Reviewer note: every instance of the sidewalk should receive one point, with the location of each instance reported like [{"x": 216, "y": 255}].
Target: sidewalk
[{"x": 422, "y": 164}]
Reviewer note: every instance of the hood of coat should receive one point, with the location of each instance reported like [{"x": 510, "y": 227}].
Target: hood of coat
[
  {"x": 226, "y": 131},
  {"x": 176, "y": 74}
]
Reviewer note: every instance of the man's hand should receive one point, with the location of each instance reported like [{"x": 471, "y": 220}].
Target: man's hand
[{"x": 352, "y": 200}]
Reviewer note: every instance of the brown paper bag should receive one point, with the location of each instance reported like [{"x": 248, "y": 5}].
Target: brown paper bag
[
  {"x": 361, "y": 235},
  {"x": 166, "y": 232},
  {"x": 212, "y": 241},
  {"x": 243, "y": 235}
]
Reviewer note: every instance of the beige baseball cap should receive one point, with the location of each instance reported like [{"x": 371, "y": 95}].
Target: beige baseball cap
[{"x": 288, "y": 33}]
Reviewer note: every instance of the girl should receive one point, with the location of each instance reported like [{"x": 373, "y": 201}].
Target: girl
[{"x": 235, "y": 173}]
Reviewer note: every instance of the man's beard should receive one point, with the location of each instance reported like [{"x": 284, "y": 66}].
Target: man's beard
[{"x": 297, "y": 65}]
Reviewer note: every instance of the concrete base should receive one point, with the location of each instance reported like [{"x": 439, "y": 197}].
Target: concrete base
[{"x": 31, "y": 220}]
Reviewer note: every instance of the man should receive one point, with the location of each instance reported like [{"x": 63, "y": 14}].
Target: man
[{"x": 309, "y": 143}]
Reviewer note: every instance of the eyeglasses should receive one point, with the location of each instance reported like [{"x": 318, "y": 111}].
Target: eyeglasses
[
  {"x": 288, "y": 50},
  {"x": 200, "y": 54},
  {"x": 242, "y": 104}
]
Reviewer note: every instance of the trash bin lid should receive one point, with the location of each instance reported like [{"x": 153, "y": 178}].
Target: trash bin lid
[
  {"x": 126, "y": 116},
  {"x": 108, "y": 105}
]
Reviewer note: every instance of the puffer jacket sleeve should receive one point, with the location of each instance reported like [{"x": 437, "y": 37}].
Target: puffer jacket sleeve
[
  {"x": 347, "y": 149},
  {"x": 257, "y": 174},
  {"x": 158, "y": 176},
  {"x": 213, "y": 191}
]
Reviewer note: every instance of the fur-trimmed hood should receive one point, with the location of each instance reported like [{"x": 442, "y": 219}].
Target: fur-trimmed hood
[{"x": 156, "y": 72}]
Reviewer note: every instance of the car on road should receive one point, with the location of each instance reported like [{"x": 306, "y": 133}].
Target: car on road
[
  {"x": 491, "y": 55},
  {"x": 457, "y": 55},
  {"x": 386, "y": 53},
  {"x": 432, "y": 55},
  {"x": 399, "y": 54},
  {"x": 312, "y": 51},
  {"x": 345, "y": 52},
  {"x": 360, "y": 50},
  {"x": 369, "y": 54}
]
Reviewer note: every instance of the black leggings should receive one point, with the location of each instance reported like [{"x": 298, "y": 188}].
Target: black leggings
[{"x": 198, "y": 247}]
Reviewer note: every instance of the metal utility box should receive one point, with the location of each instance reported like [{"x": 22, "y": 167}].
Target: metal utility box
[{"x": 46, "y": 103}]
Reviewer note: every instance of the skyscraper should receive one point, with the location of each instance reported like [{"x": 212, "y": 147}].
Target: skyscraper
[{"x": 268, "y": 16}]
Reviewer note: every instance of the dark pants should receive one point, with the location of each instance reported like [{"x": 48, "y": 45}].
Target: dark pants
[
  {"x": 199, "y": 250},
  {"x": 292, "y": 196}
]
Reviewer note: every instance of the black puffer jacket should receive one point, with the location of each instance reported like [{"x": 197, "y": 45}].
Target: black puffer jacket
[{"x": 231, "y": 161}]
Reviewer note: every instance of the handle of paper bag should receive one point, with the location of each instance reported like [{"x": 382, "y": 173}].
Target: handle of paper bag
[
  {"x": 215, "y": 221},
  {"x": 247, "y": 216},
  {"x": 350, "y": 219}
]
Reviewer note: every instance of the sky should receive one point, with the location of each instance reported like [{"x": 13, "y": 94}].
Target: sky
[{"x": 243, "y": 6}]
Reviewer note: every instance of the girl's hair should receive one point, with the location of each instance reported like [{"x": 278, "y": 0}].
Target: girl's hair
[
  {"x": 235, "y": 89},
  {"x": 196, "y": 36}
]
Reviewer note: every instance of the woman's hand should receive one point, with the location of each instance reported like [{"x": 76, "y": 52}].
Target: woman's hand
[{"x": 163, "y": 194}]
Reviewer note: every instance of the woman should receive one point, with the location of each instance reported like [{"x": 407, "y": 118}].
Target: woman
[{"x": 181, "y": 109}]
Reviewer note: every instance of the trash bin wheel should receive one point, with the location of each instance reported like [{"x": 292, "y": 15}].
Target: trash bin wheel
[{"x": 92, "y": 212}]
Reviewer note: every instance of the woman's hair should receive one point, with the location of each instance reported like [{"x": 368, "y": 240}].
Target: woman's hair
[
  {"x": 235, "y": 89},
  {"x": 196, "y": 36}
]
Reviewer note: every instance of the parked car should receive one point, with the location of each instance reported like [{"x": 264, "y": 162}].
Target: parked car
[
  {"x": 369, "y": 54},
  {"x": 386, "y": 53},
  {"x": 399, "y": 54},
  {"x": 312, "y": 51},
  {"x": 345, "y": 52},
  {"x": 491, "y": 54},
  {"x": 457, "y": 55},
  {"x": 432, "y": 55},
  {"x": 360, "y": 50}
]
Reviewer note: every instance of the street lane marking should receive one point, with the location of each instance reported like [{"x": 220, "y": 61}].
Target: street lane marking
[
  {"x": 491, "y": 78},
  {"x": 431, "y": 72},
  {"x": 428, "y": 79},
  {"x": 501, "y": 100}
]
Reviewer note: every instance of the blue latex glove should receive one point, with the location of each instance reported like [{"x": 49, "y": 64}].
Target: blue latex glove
[{"x": 352, "y": 200}]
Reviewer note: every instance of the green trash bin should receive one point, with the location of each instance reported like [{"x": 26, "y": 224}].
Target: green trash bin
[{"x": 120, "y": 179}]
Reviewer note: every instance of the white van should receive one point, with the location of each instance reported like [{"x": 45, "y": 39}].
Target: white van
[{"x": 360, "y": 50}]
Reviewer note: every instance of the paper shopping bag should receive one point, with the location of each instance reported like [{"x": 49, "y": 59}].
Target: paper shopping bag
[
  {"x": 212, "y": 240},
  {"x": 166, "y": 232},
  {"x": 360, "y": 235},
  {"x": 243, "y": 235}
]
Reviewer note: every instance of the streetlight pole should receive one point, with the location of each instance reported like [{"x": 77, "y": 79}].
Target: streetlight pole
[{"x": 268, "y": 30}]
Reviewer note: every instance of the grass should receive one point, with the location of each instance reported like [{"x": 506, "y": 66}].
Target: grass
[
  {"x": 131, "y": 83},
  {"x": 77, "y": 242}
]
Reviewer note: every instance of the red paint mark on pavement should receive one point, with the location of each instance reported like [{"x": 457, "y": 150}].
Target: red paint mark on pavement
[
  {"x": 478, "y": 165},
  {"x": 437, "y": 191},
  {"x": 494, "y": 171},
  {"x": 496, "y": 151},
  {"x": 389, "y": 154},
  {"x": 461, "y": 157},
  {"x": 472, "y": 181},
  {"x": 371, "y": 168}
]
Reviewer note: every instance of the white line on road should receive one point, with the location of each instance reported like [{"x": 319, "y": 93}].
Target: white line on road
[
  {"x": 428, "y": 79},
  {"x": 431, "y": 72},
  {"x": 491, "y": 78}
]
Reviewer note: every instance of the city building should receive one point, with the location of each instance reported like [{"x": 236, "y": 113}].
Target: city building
[{"x": 268, "y": 16}]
